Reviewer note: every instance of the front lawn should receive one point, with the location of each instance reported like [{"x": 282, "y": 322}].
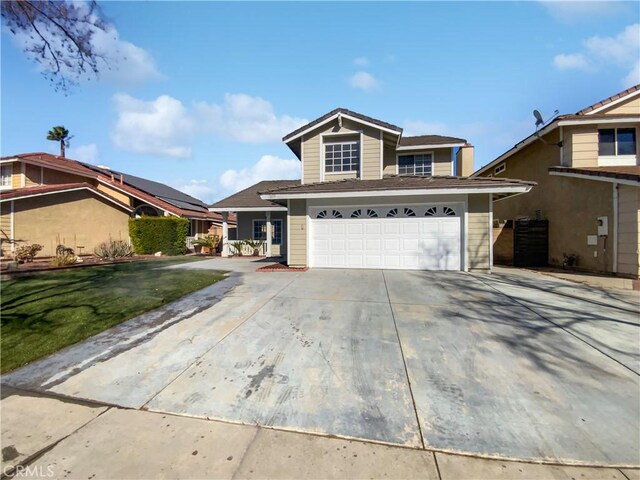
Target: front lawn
[{"x": 44, "y": 312}]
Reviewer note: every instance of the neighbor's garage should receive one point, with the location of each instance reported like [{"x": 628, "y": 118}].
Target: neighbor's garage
[{"x": 415, "y": 237}]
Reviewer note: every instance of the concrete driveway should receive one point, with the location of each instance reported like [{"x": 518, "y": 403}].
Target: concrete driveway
[{"x": 513, "y": 365}]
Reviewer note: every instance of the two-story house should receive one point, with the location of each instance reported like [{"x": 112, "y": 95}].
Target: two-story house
[
  {"x": 52, "y": 200},
  {"x": 586, "y": 166},
  {"x": 371, "y": 198}
]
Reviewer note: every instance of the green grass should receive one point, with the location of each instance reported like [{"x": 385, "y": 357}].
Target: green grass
[{"x": 44, "y": 312}]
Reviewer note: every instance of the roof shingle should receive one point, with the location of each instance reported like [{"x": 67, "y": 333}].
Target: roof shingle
[{"x": 250, "y": 197}]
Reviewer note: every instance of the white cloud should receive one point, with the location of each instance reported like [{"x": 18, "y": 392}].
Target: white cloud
[
  {"x": 269, "y": 167},
  {"x": 84, "y": 153},
  {"x": 573, "y": 60},
  {"x": 418, "y": 127},
  {"x": 578, "y": 11},
  {"x": 633, "y": 78},
  {"x": 246, "y": 119},
  {"x": 621, "y": 50},
  {"x": 364, "y": 81},
  {"x": 122, "y": 63},
  {"x": 127, "y": 64},
  {"x": 361, "y": 61},
  {"x": 200, "y": 189},
  {"x": 158, "y": 127}
]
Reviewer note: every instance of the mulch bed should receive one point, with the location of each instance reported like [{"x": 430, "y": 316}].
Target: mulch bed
[{"x": 281, "y": 267}]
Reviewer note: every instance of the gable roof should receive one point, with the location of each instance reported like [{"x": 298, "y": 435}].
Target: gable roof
[
  {"x": 586, "y": 115},
  {"x": 157, "y": 194},
  {"x": 22, "y": 193},
  {"x": 629, "y": 174},
  {"x": 608, "y": 100},
  {"x": 249, "y": 198},
  {"x": 335, "y": 113}
]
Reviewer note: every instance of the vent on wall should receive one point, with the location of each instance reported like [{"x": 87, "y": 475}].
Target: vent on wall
[{"x": 500, "y": 168}]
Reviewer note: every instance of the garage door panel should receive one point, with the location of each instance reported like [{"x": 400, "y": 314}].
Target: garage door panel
[{"x": 429, "y": 243}]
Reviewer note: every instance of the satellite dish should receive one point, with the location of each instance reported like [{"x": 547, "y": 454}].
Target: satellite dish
[{"x": 539, "y": 120}]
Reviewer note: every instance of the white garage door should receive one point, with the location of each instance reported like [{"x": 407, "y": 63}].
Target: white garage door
[{"x": 421, "y": 237}]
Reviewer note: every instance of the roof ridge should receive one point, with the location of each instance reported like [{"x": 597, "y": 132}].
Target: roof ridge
[{"x": 608, "y": 100}]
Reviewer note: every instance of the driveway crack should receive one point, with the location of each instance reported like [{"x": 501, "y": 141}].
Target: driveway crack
[{"x": 404, "y": 362}]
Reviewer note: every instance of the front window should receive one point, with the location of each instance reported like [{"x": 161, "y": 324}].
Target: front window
[
  {"x": 415, "y": 164},
  {"x": 260, "y": 231},
  {"x": 6, "y": 172},
  {"x": 616, "y": 141},
  {"x": 341, "y": 157}
]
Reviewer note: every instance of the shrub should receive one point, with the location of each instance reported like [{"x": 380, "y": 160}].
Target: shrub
[
  {"x": 159, "y": 234},
  {"x": 112, "y": 249},
  {"x": 238, "y": 245},
  {"x": 25, "y": 253},
  {"x": 62, "y": 250},
  {"x": 209, "y": 242},
  {"x": 63, "y": 260},
  {"x": 255, "y": 246}
]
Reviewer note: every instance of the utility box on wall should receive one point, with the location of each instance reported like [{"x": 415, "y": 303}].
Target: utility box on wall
[{"x": 603, "y": 226}]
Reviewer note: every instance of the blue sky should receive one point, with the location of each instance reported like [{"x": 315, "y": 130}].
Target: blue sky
[{"x": 199, "y": 94}]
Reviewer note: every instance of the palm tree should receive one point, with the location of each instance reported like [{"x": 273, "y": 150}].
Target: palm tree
[{"x": 60, "y": 134}]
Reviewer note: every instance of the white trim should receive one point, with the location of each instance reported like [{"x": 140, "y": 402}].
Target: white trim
[
  {"x": 97, "y": 192},
  {"x": 465, "y": 239},
  {"x": 597, "y": 178},
  {"x": 398, "y": 193},
  {"x": 341, "y": 134},
  {"x": 225, "y": 234},
  {"x": 307, "y": 226},
  {"x": 248, "y": 209},
  {"x": 596, "y": 121},
  {"x": 615, "y": 228},
  {"x": 288, "y": 231},
  {"x": 614, "y": 102},
  {"x": 341, "y": 173},
  {"x": 321, "y": 159},
  {"x": 617, "y": 160},
  {"x": 12, "y": 226},
  {"x": 343, "y": 115},
  {"x": 431, "y": 145},
  {"x": 504, "y": 167},
  {"x": 302, "y": 160},
  {"x": 381, "y": 154},
  {"x": 490, "y": 232},
  {"x": 9, "y": 160},
  {"x": 361, "y": 163},
  {"x": 398, "y": 155}
]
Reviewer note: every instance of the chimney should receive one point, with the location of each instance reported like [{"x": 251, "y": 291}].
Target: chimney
[
  {"x": 464, "y": 161},
  {"x": 121, "y": 179}
]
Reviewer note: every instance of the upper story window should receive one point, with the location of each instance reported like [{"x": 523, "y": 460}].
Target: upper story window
[
  {"x": 342, "y": 157},
  {"x": 616, "y": 141},
  {"x": 415, "y": 164},
  {"x": 6, "y": 171}
]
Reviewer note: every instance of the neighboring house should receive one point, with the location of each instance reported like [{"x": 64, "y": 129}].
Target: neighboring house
[
  {"x": 52, "y": 200},
  {"x": 587, "y": 169},
  {"x": 371, "y": 198}
]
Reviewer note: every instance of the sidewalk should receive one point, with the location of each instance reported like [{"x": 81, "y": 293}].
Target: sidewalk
[{"x": 45, "y": 437}]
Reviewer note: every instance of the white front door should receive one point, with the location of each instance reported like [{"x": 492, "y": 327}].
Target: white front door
[{"x": 417, "y": 237}]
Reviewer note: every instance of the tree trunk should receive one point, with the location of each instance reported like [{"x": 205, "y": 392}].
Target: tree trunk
[{"x": 62, "y": 152}]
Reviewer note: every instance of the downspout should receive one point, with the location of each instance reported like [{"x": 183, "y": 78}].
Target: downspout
[{"x": 615, "y": 228}]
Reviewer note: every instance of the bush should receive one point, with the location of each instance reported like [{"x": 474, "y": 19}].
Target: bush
[
  {"x": 159, "y": 234},
  {"x": 63, "y": 260},
  {"x": 112, "y": 249},
  {"x": 25, "y": 253},
  {"x": 238, "y": 245}
]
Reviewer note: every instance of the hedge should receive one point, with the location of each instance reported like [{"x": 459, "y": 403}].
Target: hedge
[{"x": 159, "y": 234}]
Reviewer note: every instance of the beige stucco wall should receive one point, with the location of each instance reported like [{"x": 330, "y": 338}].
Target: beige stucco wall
[
  {"x": 297, "y": 255},
  {"x": 126, "y": 199},
  {"x": 389, "y": 161},
  {"x": 33, "y": 175},
  {"x": 312, "y": 150},
  {"x": 72, "y": 219},
  {"x": 571, "y": 205},
  {"x": 245, "y": 228},
  {"x": 580, "y": 148},
  {"x": 5, "y": 227},
  {"x": 479, "y": 234},
  {"x": 628, "y": 230}
]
